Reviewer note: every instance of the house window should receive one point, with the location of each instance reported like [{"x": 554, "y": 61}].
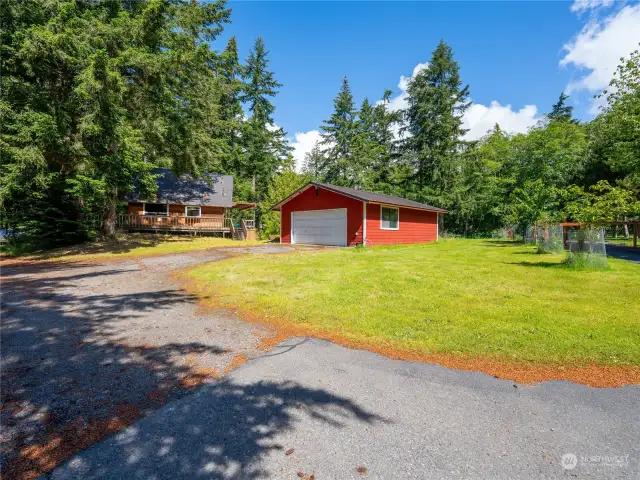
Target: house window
[
  {"x": 192, "y": 211},
  {"x": 389, "y": 218},
  {"x": 156, "y": 209}
]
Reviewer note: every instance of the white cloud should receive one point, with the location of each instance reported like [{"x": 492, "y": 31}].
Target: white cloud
[
  {"x": 580, "y": 6},
  {"x": 598, "y": 47},
  {"x": 302, "y": 143},
  {"x": 479, "y": 119},
  {"x": 399, "y": 102}
]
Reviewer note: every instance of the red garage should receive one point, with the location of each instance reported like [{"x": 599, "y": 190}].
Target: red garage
[{"x": 320, "y": 214}]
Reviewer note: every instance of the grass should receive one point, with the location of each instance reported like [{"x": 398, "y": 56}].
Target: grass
[
  {"x": 134, "y": 245},
  {"x": 620, "y": 240},
  {"x": 476, "y": 298}
]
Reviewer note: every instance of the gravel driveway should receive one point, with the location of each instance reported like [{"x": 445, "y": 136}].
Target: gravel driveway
[{"x": 88, "y": 348}]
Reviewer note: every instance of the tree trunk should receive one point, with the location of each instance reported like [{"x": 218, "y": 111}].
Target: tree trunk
[
  {"x": 109, "y": 219},
  {"x": 626, "y": 229}
]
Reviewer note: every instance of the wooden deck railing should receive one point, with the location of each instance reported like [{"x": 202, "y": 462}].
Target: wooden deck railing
[
  {"x": 156, "y": 222},
  {"x": 171, "y": 223},
  {"x": 249, "y": 224}
]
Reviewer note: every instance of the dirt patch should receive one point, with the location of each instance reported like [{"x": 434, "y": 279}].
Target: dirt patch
[
  {"x": 63, "y": 443},
  {"x": 590, "y": 374}
]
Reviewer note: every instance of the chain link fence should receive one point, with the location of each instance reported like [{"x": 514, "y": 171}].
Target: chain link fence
[
  {"x": 587, "y": 247},
  {"x": 547, "y": 239}
]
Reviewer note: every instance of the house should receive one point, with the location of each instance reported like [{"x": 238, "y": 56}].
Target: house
[
  {"x": 188, "y": 204},
  {"x": 322, "y": 214}
]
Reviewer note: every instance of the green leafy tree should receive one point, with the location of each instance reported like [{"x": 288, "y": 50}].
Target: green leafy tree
[
  {"x": 483, "y": 185},
  {"x": 599, "y": 204},
  {"x": 615, "y": 133},
  {"x": 533, "y": 204},
  {"x": 437, "y": 101},
  {"x": 339, "y": 134},
  {"x": 554, "y": 152},
  {"x": 284, "y": 184}
]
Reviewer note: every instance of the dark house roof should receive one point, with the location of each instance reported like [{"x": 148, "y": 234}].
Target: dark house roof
[
  {"x": 215, "y": 191},
  {"x": 364, "y": 196}
]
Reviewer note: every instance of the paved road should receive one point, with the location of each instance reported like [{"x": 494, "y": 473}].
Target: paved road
[
  {"x": 625, "y": 253},
  {"x": 340, "y": 409}
]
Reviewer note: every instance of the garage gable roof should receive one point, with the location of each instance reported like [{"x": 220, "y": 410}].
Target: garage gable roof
[{"x": 363, "y": 196}]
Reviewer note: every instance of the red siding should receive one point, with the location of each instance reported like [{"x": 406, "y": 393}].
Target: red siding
[
  {"x": 416, "y": 226},
  {"x": 325, "y": 200}
]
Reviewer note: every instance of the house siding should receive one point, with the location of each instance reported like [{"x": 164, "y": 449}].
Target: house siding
[
  {"x": 136, "y": 208},
  {"x": 325, "y": 200},
  {"x": 416, "y": 226}
]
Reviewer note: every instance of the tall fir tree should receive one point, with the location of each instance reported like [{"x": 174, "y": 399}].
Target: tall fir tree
[
  {"x": 366, "y": 148},
  {"x": 437, "y": 101},
  {"x": 338, "y": 137},
  {"x": 386, "y": 126},
  {"x": 95, "y": 94},
  {"x": 266, "y": 146},
  {"x": 561, "y": 111},
  {"x": 231, "y": 113},
  {"x": 312, "y": 163}
]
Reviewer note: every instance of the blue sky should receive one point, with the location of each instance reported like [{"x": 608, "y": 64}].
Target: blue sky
[{"x": 516, "y": 56}]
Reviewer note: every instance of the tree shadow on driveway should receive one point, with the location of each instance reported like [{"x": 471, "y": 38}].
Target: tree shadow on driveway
[
  {"x": 222, "y": 431},
  {"x": 68, "y": 380}
]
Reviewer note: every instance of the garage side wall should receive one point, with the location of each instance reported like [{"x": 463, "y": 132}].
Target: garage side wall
[
  {"x": 325, "y": 200},
  {"x": 416, "y": 226}
]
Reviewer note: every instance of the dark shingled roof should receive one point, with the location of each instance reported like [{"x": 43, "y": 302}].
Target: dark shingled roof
[
  {"x": 366, "y": 197},
  {"x": 186, "y": 190}
]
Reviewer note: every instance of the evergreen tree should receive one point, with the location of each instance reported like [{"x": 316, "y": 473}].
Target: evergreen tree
[
  {"x": 338, "y": 136},
  {"x": 437, "y": 101},
  {"x": 366, "y": 148},
  {"x": 97, "y": 93},
  {"x": 312, "y": 163},
  {"x": 561, "y": 111},
  {"x": 266, "y": 146},
  {"x": 386, "y": 126},
  {"x": 284, "y": 184},
  {"x": 231, "y": 113}
]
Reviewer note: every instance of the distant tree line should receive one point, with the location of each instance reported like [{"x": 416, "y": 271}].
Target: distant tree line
[
  {"x": 500, "y": 180},
  {"x": 96, "y": 94}
]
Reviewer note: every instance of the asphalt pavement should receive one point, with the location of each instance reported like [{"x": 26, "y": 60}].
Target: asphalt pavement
[{"x": 313, "y": 409}]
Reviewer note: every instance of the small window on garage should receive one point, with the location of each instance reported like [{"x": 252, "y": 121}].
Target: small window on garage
[
  {"x": 389, "y": 218},
  {"x": 192, "y": 211},
  {"x": 156, "y": 209}
]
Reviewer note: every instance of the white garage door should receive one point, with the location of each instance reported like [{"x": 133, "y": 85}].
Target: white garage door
[{"x": 320, "y": 227}]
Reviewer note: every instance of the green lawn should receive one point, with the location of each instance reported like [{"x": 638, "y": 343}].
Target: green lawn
[
  {"x": 482, "y": 298},
  {"x": 134, "y": 245},
  {"x": 620, "y": 240}
]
